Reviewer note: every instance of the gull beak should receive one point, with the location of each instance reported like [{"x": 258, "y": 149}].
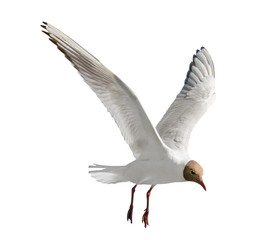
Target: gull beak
[{"x": 203, "y": 185}]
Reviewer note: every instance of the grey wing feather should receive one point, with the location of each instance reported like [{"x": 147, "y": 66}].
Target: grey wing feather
[
  {"x": 119, "y": 100},
  {"x": 190, "y": 104}
]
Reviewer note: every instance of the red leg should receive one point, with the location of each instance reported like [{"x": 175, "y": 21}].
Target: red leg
[
  {"x": 145, "y": 216},
  {"x": 130, "y": 211}
]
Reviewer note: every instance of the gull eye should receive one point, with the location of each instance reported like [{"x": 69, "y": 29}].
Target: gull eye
[{"x": 193, "y": 172}]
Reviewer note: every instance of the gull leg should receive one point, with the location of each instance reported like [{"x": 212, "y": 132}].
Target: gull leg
[
  {"x": 130, "y": 211},
  {"x": 145, "y": 216}
]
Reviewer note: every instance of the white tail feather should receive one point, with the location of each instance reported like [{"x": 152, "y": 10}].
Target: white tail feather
[{"x": 108, "y": 174}]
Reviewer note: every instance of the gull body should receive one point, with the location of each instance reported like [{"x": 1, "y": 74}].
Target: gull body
[
  {"x": 160, "y": 153},
  {"x": 168, "y": 169}
]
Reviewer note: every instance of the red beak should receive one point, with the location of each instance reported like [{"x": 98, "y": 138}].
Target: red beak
[{"x": 203, "y": 185}]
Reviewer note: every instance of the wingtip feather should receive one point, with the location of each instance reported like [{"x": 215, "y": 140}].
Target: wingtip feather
[
  {"x": 201, "y": 66},
  {"x": 47, "y": 33}
]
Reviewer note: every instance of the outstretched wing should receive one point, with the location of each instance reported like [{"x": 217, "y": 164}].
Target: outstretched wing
[
  {"x": 190, "y": 104},
  {"x": 119, "y": 100}
]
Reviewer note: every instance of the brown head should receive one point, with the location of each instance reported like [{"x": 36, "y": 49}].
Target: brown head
[{"x": 194, "y": 172}]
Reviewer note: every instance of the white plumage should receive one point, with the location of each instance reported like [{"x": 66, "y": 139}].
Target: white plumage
[
  {"x": 160, "y": 153},
  {"x": 191, "y": 103}
]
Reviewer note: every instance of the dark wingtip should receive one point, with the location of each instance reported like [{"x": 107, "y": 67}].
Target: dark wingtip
[
  {"x": 47, "y": 33},
  {"x": 191, "y": 64},
  {"x": 44, "y": 22},
  {"x": 190, "y": 68},
  {"x": 202, "y": 48},
  {"x": 43, "y": 26},
  {"x": 53, "y": 41}
]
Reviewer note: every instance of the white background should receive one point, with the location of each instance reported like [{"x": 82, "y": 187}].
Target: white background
[{"x": 52, "y": 126}]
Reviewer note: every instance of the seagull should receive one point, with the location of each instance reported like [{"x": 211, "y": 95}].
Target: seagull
[{"x": 160, "y": 153}]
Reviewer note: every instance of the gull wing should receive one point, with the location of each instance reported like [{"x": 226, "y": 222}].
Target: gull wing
[
  {"x": 190, "y": 104},
  {"x": 119, "y": 100}
]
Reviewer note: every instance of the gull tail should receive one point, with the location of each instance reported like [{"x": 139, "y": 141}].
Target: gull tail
[{"x": 108, "y": 174}]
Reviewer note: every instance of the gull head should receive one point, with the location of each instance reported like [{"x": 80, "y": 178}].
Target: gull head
[{"x": 194, "y": 172}]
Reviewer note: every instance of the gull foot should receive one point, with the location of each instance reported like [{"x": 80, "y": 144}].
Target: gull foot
[
  {"x": 130, "y": 214},
  {"x": 145, "y": 218}
]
